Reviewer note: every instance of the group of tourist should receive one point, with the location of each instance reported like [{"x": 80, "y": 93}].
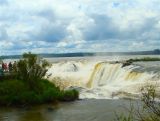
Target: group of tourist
[{"x": 7, "y": 67}]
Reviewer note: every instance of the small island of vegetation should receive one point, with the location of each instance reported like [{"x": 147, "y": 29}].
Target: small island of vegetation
[
  {"x": 145, "y": 59},
  {"x": 25, "y": 85}
]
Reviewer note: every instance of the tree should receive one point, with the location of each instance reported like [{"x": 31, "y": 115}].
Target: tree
[{"x": 31, "y": 69}]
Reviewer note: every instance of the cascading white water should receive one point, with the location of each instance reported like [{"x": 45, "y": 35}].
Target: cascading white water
[
  {"x": 109, "y": 80},
  {"x": 71, "y": 73},
  {"x": 107, "y": 74},
  {"x": 99, "y": 79}
]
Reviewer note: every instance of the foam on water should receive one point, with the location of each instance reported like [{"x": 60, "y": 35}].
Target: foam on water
[{"x": 100, "y": 80}]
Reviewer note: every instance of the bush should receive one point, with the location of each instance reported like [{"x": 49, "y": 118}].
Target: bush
[
  {"x": 15, "y": 92},
  {"x": 31, "y": 69},
  {"x": 69, "y": 95},
  {"x": 26, "y": 86},
  {"x": 150, "y": 111}
]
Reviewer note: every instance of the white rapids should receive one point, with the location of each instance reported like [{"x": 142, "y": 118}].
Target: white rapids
[{"x": 101, "y": 79}]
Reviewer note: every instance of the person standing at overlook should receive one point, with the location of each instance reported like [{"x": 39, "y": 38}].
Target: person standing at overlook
[
  {"x": 3, "y": 66},
  {"x": 10, "y": 66},
  {"x": 14, "y": 66}
]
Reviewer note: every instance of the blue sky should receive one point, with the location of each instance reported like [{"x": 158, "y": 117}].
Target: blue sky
[{"x": 60, "y": 26}]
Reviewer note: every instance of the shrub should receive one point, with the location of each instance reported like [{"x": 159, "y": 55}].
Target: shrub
[
  {"x": 151, "y": 107},
  {"x": 69, "y": 95},
  {"x": 31, "y": 69},
  {"x": 15, "y": 92},
  {"x": 26, "y": 86}
]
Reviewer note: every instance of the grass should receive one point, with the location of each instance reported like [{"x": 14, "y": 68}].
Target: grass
[{"x": 16, "y": 92}]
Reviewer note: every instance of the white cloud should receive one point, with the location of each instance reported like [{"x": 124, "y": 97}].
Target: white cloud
[{"x": 81, "y": 25}]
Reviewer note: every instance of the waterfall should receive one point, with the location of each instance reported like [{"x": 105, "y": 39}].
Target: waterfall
[
  {"x": 107, "y": 74},
  {"x": 100, "y": 79}
]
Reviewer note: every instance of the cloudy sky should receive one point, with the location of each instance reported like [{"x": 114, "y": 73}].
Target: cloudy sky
[{"x": 60, "y": 26}]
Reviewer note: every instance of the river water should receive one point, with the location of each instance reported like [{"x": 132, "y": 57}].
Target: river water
[{"x": 81, "y": 110}]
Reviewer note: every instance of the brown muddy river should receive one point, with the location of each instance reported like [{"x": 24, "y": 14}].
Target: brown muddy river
[{"x": 82, "y": 110}]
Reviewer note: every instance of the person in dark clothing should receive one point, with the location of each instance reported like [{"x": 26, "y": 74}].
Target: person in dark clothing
[
  {"x": 3, "y": 66},
  {"x": 15, "y": 66},
  {"x": 10, "y": 66},
  {"x": 1, "y": 72}
]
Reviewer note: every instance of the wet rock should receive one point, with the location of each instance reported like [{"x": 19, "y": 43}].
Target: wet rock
[
  {"x": 127, "y": 63},
  {"x": 75, "y": 88},
  {"x": 50, "y": 109}
]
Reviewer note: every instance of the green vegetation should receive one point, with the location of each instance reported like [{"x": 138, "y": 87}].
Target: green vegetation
[
  {"x": 130, "y": 61},
  {"x": 1, "y": 71},
  {"x": 30, "y": 69},
  {"x": 143, "y": 59},
  {"x": 69, "y": 95},
  {"x": 150, "y": 110},
  {"x": 25, "y": 84},
  {"x": 16, "y": 92}
]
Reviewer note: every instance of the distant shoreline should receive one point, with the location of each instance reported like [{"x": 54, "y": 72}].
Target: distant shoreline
[{"x": 86, "y": 54}]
